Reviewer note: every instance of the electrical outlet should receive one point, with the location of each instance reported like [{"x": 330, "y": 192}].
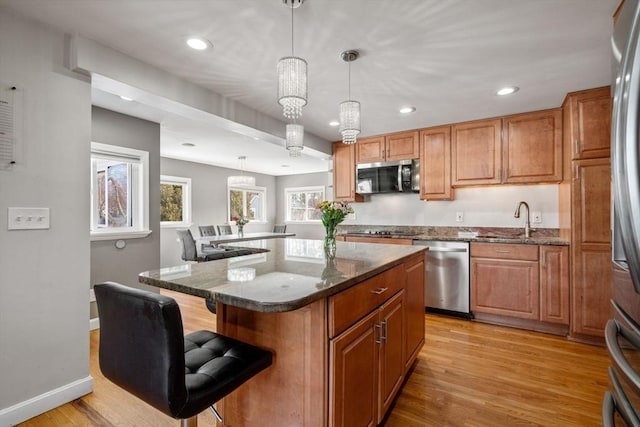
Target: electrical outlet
[
  {"x": 536, "y": 217},
  {"x": 459, "y": 216}
]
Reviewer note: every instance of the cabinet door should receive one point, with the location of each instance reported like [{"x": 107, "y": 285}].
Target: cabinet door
[
  {"x": 414, "y": 309},
  {"x": 392, "y": 357},
  {"x": 353, "y": 385},
  {"x": 508, "y": 288},
  {"x": 532, "y": 147},
  {"x": 435, "y": 164},
  {"x": 590, "y": 115},
  {"x": 371, "y": 150},
  {"x": 476, "y": 152},
  {"x": 344, "y": 173},
  {"x": 402, "y": 146},
  {"x": 591, "y": 246},
  {"x": 554, "y": 284}
]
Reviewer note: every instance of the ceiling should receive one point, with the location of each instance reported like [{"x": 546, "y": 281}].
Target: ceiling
[{"x": 446, "y": 58}]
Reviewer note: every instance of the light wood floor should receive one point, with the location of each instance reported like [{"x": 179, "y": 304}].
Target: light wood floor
[{"x": 467, "y": 374}]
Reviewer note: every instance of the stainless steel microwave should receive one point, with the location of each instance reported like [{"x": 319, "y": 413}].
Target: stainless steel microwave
[{"x": 401, "y": 176}]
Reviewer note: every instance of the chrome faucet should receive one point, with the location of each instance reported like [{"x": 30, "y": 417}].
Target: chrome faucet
[{"x": 527, "y": 224}]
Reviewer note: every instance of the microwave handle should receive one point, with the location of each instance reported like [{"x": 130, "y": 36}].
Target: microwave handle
[{"x": 400, "y": 178}]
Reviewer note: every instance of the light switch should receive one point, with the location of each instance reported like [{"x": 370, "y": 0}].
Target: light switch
[{"x": 28, "y": 218}]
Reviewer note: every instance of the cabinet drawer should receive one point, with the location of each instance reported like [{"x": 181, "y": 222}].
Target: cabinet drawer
[
  {"x": 505, "y": 251},
  {"x": 351, "y": 305}
]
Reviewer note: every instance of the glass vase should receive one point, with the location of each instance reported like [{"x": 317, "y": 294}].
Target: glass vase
[
  {"x": 330, "y": 242},
  {"x": 240, "y": 231}
]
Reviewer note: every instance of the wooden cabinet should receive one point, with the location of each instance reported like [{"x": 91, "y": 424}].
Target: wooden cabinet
[
  {"x": 392, "y": 359},
  {"x": 505, "y": 280},
  {"x": 386, "y": 148},
  {"x": 476, "y": 150},
  {"x": 435, "y": 164},
  {"x": 554, "y": 284},
  {"x": 532, "y": 147},
  {"x": 591, "y": 246},
  {"x": 385, "y": 240},
  {"x": 588, "y": 113},
  {"x": 521, "y": 285},
  {"x": 344, "y": 173},
  {"x": 414, "y": 308}
]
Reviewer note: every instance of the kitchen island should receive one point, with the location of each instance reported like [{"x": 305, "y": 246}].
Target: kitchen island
[{"x": 344, "y": 331}]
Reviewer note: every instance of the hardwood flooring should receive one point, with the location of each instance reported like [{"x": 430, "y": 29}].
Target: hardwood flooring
[{"x": 467, "y": 374}]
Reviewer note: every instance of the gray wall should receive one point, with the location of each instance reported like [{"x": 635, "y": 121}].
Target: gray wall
[
  {"x": 209, "y": 202},
  {"x": 44, "y": 274},
  {"x": 123, "y": 265},
  {"x": 304, "y": 231}
]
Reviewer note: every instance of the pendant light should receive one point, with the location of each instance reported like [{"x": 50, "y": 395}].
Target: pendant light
[
  {"x": 295, "y": 135},
  {"x": 292, "y": 76},
  {"x": 241, "y": 180},
  {"x": 349, "y": 109}
]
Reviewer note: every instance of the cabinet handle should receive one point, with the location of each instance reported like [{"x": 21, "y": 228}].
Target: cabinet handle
[
  {"x": 379, "y": 340},
  {"x": 383, "y": 333},
  {"x": 502, "y": 251},
  {"x": 379, "y": 291}
]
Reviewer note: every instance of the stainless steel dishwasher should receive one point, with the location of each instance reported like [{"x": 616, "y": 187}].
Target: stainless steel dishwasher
[{"x": 447, "y": 277}]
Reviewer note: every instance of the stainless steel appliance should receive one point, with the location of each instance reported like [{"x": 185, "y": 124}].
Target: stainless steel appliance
[
  {"x": 621, "y": 404},
  {"x": 447, "y": 277},
  {"x": 389, "y": 177}
]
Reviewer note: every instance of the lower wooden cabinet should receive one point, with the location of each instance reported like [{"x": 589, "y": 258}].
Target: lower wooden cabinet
[
  {"x": 414, "y": 309},
  {"x": 510, "y": 282},
  {"x": 368, "y": 366}
]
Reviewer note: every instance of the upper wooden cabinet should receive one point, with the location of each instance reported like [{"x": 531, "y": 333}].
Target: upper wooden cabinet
[
  {"x": 344, "y": 173},
  {"x": 386, "y": 148},
  {"x": 435, "y": 164},
  {"x": 532, "y": 147},
  {"x": 476, "y": 152},
  {"x": 588, "y": 116}
]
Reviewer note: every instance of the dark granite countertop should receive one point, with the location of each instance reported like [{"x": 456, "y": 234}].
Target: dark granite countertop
[
  {"x": 292, "y": 274},
  {"x": 533, "y": 240}
]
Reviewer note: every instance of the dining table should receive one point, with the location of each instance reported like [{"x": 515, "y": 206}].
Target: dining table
[{"x": 244, "y": 237}]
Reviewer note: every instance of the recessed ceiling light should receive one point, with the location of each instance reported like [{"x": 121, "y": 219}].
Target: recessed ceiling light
[
  {"x": 334, "y": 123},
  {"x": 188, "y": 144},
  {"x": 508, "y": 90},
  {"x": 198, "y": 43},
  {"x": 407, "y": 110},
  {"x": 284, "y": 166},
  {"x": 125, "y": 98}
]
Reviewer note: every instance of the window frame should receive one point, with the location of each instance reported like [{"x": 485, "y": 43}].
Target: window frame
[
  {"x": 186, "y": 201},
  {"x": 139, "y": 192},
  {"x": 287, "y": 207},
  {"x": 244, "y": 189}
]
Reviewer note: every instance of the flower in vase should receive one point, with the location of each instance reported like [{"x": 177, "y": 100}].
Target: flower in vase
[
  {"x": 240, "y": 221},
  {"x": 333, "y": 213}
]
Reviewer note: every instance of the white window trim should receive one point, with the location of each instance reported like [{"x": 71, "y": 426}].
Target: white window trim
[
  {"x": 248, "y": 188},
  {"x": 186, "y": 201},
  {"x": 300, "y": 190},
  {"x": 141, "y": 203}
]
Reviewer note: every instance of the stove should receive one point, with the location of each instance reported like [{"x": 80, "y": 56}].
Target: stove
[{"x": 382, "y": 233}]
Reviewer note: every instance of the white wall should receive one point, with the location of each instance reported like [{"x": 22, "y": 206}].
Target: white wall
[
  {"x": 491, "y": 206},
  {"x": 44, "y": 274},
  {"x": 209, "y": 202}
]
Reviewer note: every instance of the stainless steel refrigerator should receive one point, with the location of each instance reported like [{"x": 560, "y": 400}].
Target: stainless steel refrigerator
[{"x": 621, "y": 404}]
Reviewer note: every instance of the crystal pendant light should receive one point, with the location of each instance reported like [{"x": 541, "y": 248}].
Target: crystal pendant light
[
  {"x": 292, "y": 77},
  {"x": 350, "y": 109},
  {"x": 241, "y": 180},
  {"x": 295, "y": 135}
]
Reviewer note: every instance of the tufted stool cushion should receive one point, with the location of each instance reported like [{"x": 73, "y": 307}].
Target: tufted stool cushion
[
  {"x": 216, "y": 361},
  {"x": 143, "y": 350}
]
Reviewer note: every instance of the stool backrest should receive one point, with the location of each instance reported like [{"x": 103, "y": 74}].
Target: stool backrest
[
  {"x": 280, "y": 228},
  {"x": 142, "y": 345}
]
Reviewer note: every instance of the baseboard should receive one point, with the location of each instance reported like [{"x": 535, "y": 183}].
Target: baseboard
[
  {"x": 94, "y": 323},
  {"x": 45, "y": 402}
]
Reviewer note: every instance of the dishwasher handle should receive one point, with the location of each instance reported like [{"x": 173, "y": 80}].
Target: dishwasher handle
[{"x": 437, "y": 249}]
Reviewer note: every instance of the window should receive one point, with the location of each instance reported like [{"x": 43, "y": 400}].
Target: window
[
  {"x": 248, "y": 202},
  {"x": 119, "y": 192},
  {"x": 175, "y": 201},
  {"x": 302, "y": 202}
]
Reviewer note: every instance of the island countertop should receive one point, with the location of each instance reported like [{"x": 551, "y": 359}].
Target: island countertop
[{"x": 291, "y": 274}]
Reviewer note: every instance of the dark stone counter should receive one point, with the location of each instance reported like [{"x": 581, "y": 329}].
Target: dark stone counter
[{"x": 289, "y": 275}]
